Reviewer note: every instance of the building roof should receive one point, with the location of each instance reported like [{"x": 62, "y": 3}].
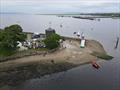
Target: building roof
[{"x": 50, "y": 29}]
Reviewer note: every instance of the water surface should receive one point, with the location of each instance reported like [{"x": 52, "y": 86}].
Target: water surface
[{"x": 83, "y": 77}]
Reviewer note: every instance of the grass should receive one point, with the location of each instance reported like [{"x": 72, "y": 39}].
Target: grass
[
  {"x": 4, "y": 53},
  {"x": 102, "y": 55},
  {"x": 41, "y": 49},
  {"x": 5, "y": 56}
]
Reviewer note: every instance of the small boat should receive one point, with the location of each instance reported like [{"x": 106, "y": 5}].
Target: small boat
[
  {"x": 95, "y": 65},
  {"x": 78, "y": 34},
  {"x": 74, "y": 32},
  {"x": 98, "y": 19},
  {"x": 61, "y": 25}
]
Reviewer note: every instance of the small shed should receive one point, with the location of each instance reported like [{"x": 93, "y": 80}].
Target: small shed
[{"x": 82, "y": 44}]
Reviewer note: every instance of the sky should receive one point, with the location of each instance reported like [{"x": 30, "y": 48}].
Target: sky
[{"x": 59, "y": 6}]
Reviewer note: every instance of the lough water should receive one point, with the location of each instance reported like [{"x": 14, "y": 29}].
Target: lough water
[{"x": 84, "y": 77}]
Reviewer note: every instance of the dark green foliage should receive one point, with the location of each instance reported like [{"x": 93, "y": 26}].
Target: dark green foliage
[
  {"x": 52, "y": 41},
  {"x": 8, "y": 39}
]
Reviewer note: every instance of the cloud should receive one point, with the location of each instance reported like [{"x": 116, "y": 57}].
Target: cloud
[{"x": 45, "y": 6}]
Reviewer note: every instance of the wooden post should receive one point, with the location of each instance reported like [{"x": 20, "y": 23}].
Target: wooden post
[{"x": 117, "y": 43}]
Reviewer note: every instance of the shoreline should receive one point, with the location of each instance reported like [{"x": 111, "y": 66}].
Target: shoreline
[{"x": 18, "y": 70}]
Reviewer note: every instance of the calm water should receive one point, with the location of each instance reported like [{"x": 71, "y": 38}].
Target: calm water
[{"x": 83, "y": 77}]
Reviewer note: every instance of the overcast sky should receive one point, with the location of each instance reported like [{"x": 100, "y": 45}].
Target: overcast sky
[{"x": 59, "y": 6}]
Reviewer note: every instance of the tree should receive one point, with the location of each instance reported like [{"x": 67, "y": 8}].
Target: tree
[
  {"x": 52, "y": 41},
  {"x": 8, "y": 39}
]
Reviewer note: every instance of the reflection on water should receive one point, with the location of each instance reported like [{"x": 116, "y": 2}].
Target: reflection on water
[{"x": 83, "y": 77}]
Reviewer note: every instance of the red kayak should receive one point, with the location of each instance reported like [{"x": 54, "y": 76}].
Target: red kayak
[{"x": 95, "y": 65}]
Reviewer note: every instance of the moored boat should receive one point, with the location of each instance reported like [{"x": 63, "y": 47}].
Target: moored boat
[{"x": 95, "y": 64}]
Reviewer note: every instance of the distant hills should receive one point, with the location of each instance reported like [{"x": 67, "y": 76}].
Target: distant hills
[{"x": 96, "y": 14}]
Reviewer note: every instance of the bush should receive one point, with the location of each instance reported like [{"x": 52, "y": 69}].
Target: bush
[{"x": 52, "y": 41}]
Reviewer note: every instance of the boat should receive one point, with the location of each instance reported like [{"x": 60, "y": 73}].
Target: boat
[
  {"x": 78, "y": 34},
  {"x": 74, "y": 32},
  {"x": 95, "y": 65},
  {"x": 61, "y": 25}
]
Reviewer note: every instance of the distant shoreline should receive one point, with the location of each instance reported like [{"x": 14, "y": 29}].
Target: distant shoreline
[{"x": 94, "y": 15}]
